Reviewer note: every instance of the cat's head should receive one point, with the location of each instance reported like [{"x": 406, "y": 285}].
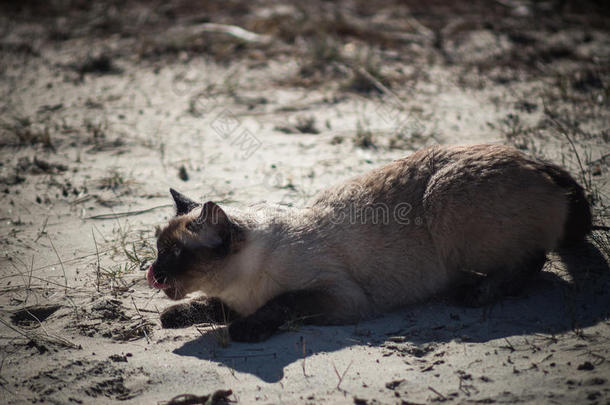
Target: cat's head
[{"x": 194, "y": 248}]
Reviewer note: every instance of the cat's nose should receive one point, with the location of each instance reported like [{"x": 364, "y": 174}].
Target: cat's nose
[{"x": 156, "y": 280}]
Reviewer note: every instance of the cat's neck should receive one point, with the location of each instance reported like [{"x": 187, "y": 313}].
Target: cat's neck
[{"x": 283, "y": 252}]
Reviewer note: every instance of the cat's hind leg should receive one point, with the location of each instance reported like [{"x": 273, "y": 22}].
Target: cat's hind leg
[{"x": 477, "y": 289}]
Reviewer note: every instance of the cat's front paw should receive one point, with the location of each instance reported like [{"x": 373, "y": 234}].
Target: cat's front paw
[
  {"x": 177, "y": 316},
  {"x": 250, "y": 329}
]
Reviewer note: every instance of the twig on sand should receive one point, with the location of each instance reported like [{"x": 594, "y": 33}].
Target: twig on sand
[
  {"x": 304, "y": 352},
  {"x": 247, "y": 356},
  {"x": 234, "y": 31},
  {"x": 97, "y": 270},
  {"x": 30, "y": 279},
  {"x": 341, "y": 376},
  {"x": 380, "y": 86},
  {"x": 231, "y": 30},
  {"x": 441, "y": 396},
  {"x": 116, "y": 215},
  {"x": 42, "y": 230},
  {"x": 508, "y": 346},
  {"x": 218, "y": 397}
]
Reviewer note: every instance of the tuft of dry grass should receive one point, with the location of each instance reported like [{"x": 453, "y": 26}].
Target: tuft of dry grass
[
  {"x": 364, "y": 137},
  {"x": 366, "y": 74},
  {"x": 581, "y": 154},
  {"x": 115, "y": 181},
  {"x": 303, "y": 125},
  {"x": 307, "y": 125},
  {"x": 140, "y": 253},
  {"x": 23, "y": 132},
  {"x": 220, "y": 333},
  {"x": 319, "y": 61}
]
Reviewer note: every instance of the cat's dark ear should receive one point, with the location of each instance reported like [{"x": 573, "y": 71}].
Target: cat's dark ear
[
  {"x": 212, "y": 215},
  {"x": 212, "y": 225},
  {"x": 184, "y": 205}
]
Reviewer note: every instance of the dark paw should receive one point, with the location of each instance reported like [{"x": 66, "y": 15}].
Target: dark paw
[
  {"x": 211, "y": 310},
  {"x": 196, "y": 311},
  {"x": 484, "y": 293},
  {"x": 474, "y": 300},
  {"x": 177, "y": 316},
  {"x": 250, "y": 329},
  {"x": 476, "y": 294}
]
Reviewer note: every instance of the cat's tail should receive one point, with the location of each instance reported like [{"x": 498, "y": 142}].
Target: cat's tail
[{"x": 579, "y": 220}]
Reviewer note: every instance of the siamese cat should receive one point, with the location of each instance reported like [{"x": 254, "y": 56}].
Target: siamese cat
[{"x": 472, "y": 221}]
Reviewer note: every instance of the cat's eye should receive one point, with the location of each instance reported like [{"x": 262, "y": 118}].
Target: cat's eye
[{"x": 176, "y": 251}]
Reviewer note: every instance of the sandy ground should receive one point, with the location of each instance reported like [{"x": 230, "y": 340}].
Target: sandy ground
[{"x": 105, "y": 106}]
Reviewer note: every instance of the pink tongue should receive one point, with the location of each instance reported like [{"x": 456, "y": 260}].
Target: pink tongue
[{"x": 150, "y": 277}]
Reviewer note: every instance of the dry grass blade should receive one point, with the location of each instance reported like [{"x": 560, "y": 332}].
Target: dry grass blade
[
  {"x": 30, "y": 286},
  {"x": 380, "y": 86},
  {"x": 143, "y": 326},
  {"x": 116, "y": 215},
  {"x": 563, "y": 130},
  {"x": 39, "y": 337},
  {"x": 97, "y": 269},
  {"x": 440, "y": 396},
  {"x": 63, "y": 269}
]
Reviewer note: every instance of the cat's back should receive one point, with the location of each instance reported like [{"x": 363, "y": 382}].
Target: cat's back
[
  {"x": 406, "y": 179},
  {"x": 387, "y": 183}
]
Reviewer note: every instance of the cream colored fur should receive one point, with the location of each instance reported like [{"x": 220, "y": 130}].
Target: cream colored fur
[{"x": 466, "y": 208}]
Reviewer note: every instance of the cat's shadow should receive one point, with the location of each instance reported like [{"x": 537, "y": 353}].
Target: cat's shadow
[{"x": 550, "y": 305}]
